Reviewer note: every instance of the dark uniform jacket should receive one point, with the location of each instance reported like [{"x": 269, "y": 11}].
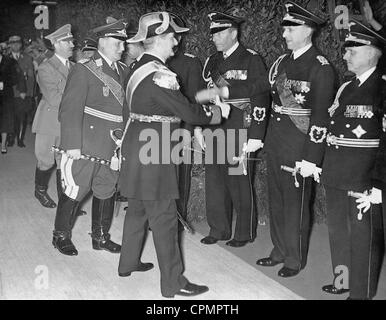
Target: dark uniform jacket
[
  {"x": 28, "y": 73},
  {"x": 358, "y": 117},
  {"x": 91, "y": 107},
  {"x": 245, "y": 75},
  {"x": 157, "y": 94},
  {"x": 304, "y": 83}
]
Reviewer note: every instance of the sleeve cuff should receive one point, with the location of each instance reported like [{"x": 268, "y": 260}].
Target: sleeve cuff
[{"x": 216, "y": 115}]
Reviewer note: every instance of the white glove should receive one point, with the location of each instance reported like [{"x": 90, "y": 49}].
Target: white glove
[
  {"x": 206, "y": 95},
  {"x": 225, "y": 108},
  {"x": 252, "y": 145},
  {"x": 365, "y": 201},
  {"x": 308, "y": 169},
  {"x": 22, "y": 95},
  {"x": 199, "y": 137},
  {"x": 384, "y": 77}
]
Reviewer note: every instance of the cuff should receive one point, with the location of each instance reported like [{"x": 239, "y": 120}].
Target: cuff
[{"x": 216, "y": 115}]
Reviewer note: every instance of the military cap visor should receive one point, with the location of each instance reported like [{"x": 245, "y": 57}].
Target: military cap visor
[
  {"x": 61, "y": 34},
  {"x": 114, "y": 29},
  {"x": 298, "y": 16},
  {"x": 154, "y": 24},
  {"x": 361, "y": 35},
  {"x": 14, "y": 39},
  {"x": 89, "y": 45},
  {"x": 221, "y": 21}
]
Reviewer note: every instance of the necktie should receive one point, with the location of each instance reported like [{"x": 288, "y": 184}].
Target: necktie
[
  {"x": 224, "y": 55},
  {"x": 114, "y": 68},
  {"x": 356, "y": 82},
  {"x": 68, "y": 64}
]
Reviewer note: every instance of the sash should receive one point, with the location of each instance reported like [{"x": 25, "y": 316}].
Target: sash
[
  {"x": 288, "y": 100},
  {"x": 114, "y": 86}
]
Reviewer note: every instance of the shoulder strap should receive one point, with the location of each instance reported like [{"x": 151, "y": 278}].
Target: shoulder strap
[{"x": 114, "y": 86}]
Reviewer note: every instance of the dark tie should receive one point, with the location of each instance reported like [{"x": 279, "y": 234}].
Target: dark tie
[
  {"x": 114, "y": 68},
  {"x": 356, "y": 82},
  {"x": 68, "y": 64}
]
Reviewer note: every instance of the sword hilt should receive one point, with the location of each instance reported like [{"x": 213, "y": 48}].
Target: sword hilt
[
  {"x": 358, "y": 195},
  {"x": 293, "y": 172}
]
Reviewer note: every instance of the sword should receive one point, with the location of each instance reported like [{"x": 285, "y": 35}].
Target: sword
[
  {"x": 358, "y": 195},
  {"x": 293, "y": 172}
]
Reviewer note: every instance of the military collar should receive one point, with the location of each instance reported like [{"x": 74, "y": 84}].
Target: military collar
[
  {"x": 155, "y": 55},
  {"x": 108, "y": 61},
  {"x": 365, "y": 75},
  {"x": 61, "y": 59},
  {"x": 297, "y": 53},
  {"x": 232, "y": 49}
]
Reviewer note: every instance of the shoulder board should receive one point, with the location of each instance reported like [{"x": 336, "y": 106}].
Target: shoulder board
[
  {"x": 323, "y": 61},
  {"x": 83, "y": 61},
  {"x": 122, "y": 63},
  {"x": 189, "y": 55},
  {"x": 166, "y": 80},
  {"x": 252, "y": 51},
  {"x": 164, "y": 69}
]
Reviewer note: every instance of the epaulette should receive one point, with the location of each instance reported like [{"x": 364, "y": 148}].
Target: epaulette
[
  {"x": 252, "y": 51},
  {"x": 189, "y": 55},
  {"x": 84, "y": 60},
  {"x": 323, "y": 61},
  {"x": 165, "y": 78}
]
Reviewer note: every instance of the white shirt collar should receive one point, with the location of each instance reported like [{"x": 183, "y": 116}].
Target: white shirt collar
[
  {"x": 299, "y": 52},
  {"x": 62, "y": 60},
  {"x": 155, "y": 55},
  {"x": 365, "y": 75},
  {"x": 231, "y": 50}
]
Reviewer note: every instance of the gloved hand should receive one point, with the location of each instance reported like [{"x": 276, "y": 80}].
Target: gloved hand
[
  {"x": 74, "y": 154},
  {"x": 206, "y": 95},
  {"x": 199, "y": 137},
  {"x": 225, "y": 108},
  {"x": 365, "y": 201},
  {"x": 252, "y": 145},
  {"x": 22, "y": 95},
  {"x": 308, "y": 169}
]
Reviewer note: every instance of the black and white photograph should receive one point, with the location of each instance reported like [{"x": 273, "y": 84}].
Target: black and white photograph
[{"x": 191, "y": 155}]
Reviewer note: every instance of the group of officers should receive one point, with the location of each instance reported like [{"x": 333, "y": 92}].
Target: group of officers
[{"x": 95, "y": 111}]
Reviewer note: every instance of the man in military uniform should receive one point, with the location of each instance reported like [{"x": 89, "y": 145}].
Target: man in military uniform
[
  {"x": 90, "y": 115},
  {"x": 352, "y": 144},
  {"x": 156, "y": 106},
  {"x": 23, "y": 100},
  {"x": 188, "y": 69},
  {"x": 89, "y": 47},
  {"x": 51, "y": 77},
  {"x": 302, "y": 88},
  {"x": 237, "y": 75}
]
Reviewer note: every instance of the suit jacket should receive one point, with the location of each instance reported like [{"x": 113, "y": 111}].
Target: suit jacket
[
  {"x": 359, "y": 116},
  {"x": 51, "y": 77},
  {"x": 305, "y": 83},
  {"x": 28, "y": 73},
  {"x": 157, "y": 94},
  {"x": 81, "y": 129}
]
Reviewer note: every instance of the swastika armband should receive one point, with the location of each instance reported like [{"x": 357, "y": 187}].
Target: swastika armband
[{"x": 318, "y": 134}]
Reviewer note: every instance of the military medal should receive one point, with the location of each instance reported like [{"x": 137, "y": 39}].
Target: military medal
[{"x": 106, "y": 91}]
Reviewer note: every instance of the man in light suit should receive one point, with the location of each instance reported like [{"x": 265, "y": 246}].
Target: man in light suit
[{"x": 51, "y": 77}]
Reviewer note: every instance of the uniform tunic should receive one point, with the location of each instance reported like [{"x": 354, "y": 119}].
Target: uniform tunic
[
  {"x": 305, "y": 85},
  {"x": 91, "y": 107},
  {"x": 188, "y": 69},
  {"x": 356, "y": 244},
  {"x": 149, "y": 178},
  {"x": 244, "y": 74}
]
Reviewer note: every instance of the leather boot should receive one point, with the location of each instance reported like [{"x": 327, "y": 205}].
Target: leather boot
[
  {"x": 102, "y": 217},
  {"x": 41, "y": 185},
  {"x": 60, "y": 190},
  {"x": 64, "y": 222}
]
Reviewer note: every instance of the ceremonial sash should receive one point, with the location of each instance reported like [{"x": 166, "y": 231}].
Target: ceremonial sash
[{"x": 114, "y": 86}]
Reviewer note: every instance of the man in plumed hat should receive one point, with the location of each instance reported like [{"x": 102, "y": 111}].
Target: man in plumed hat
[
  {"x": 51, "y": 77},
  {"x": 357, "y": 122},
  {"x": 156, "y": 106},
  {"x": 188, "y": 69},
  {"x": 90, "y": 119},
  {"x": 23, "y": 100},
  {"x": 302, "y": 88},
  {"x": 239, "y": 77}
]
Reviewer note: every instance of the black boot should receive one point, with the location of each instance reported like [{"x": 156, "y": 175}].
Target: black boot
[
  {"x": 60, "y": 190},
  {"x": 64, "y": 222},
  {"x": 41, "y": 185},
  {"x": 102, "y": 217}
]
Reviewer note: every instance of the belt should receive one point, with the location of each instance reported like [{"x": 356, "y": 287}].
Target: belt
[
  {"x": 291, "y": 111},
  {"x": 353, "y": 143},
  {"x": 154, "y": 118},
  {"x": 103, "y": 115}
]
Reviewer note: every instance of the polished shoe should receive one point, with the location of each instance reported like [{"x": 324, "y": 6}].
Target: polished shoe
[
  {"x": 62, "y": 242},
  {"x": 236, "y": 243},
  {"x": 141, "y": 268},
  {"x": 267, "y": 262},
  {"x": 209, "y": 240},
  {"x": 3, "y": 151},
  {"x": 330, "y": 288},
  {"x": 287, "y": 272},
  {"x": 43, "y": 197},
  {"x": 190, "y": 290},
  {"x": 107, "y": 245}
]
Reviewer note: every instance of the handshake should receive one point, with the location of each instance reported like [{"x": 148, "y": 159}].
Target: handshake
[{"x": 213, "y": 95}]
